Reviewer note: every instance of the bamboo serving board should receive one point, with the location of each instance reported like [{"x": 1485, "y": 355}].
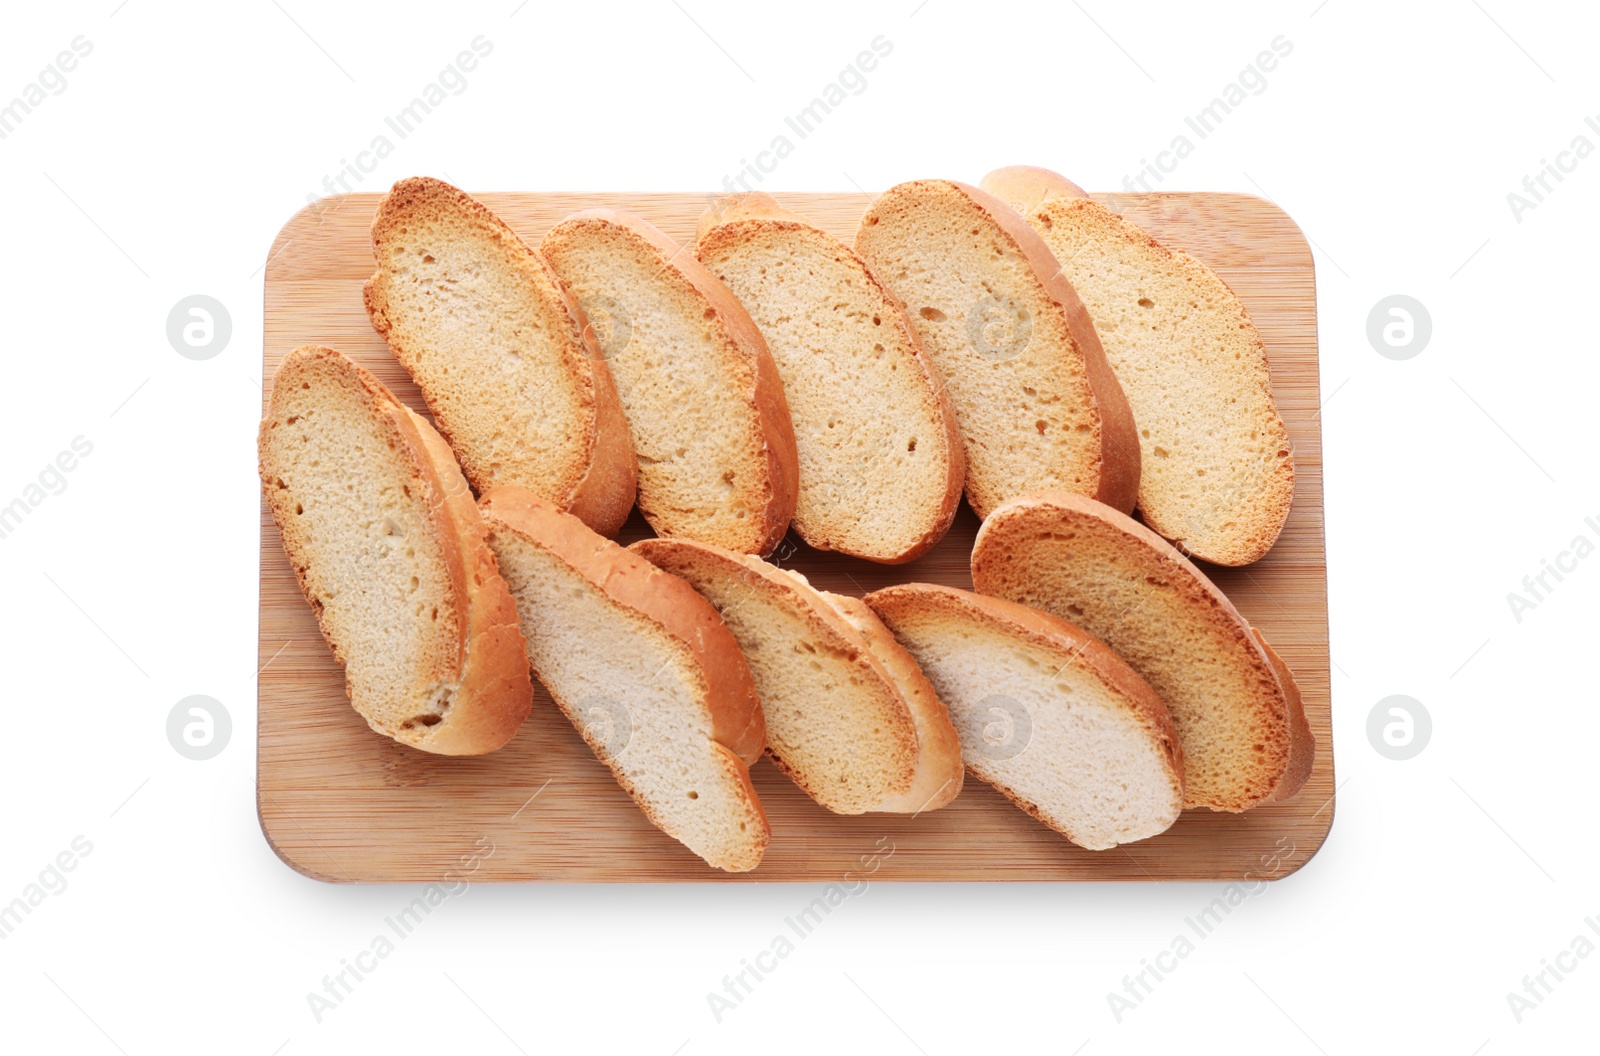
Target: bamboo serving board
[{"x": 341, "y": 803}]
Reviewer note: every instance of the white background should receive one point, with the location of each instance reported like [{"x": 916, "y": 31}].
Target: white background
[{"x": 1392, "y": 133}]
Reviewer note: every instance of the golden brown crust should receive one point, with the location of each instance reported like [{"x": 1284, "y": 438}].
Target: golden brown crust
[
  {"x": 631, "y": 581},
  {"x": 1302, "y": 742},
  {"x": 602, "y": 493},
  {"x": 1119, "y": 436},
  {"x": 737, "y": 208},
  {"x": 1046, "y": 197},
  {"x": 487, "y": 657},
  {"x": 737, "y": 769},
  {"x": 761, "y": 210},
  {"x": 1279, "y": 487},
  {"x": 767, "y": 398},
  {"x": 738, "y": 731},
  {"x": 604, "y": 497},
  {"x": 1026, "y": 187},
  {"x": 1113, "y": 439},
  {"x": 672, "y": 554},
  {"x": 1170, "y": 566},
  {"x": 494, "y": 657},
  {"x": 1085, "y": 651},
  {"x": 939, "y": 774}
]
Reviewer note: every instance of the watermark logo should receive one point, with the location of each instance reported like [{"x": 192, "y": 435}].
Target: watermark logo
[
  {"x": 1007, "y": 728},
  {"x": 1399, "y": 727},
  {"x": 1153, "y": 970},
  {"x": 338, "y": 986},
  {"x": 52, "y": 80},
  {"x": 606, "y": 722},
  {"x": 999, "y": 328},
  {"x": 451, "y": 81},
  {"x": 1399, "y": 327},
  {"x": 1252, "y": 80},
  {"x": 786, "y": 549},
  {"x": 718, "y": 208},
  {"x": 736, "y": 986},
  {"x": 199, "y": 727},
  {"x": 52, "y": 480},
  {"x": 52, "y": 880},
  {"x": 1538, "y": 586},
  {"x": 609, "y": 324},
  {"x": 852, "y": 80},
  {"x": 1536, "y": 986},
  {"x": 198, "y": 327},
  {"x": 1538, "y": 185}
]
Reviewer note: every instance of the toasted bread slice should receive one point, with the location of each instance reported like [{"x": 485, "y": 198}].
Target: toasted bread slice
[
  {"x": 836, "y": 722},
  {"x": 1302, "y": 742},
  {"x": 1218, "y": 465},
  {"x": 1126, "y": 585},
  {"x": 499, "y": 349},
  {"x": 1045, "y": 712},
  {"x": 881, "y": 460},
  {"x": 939, "y": 772},
  {"x": 703, "y": 399},
  {"x": 644, "y": 668},
  {"x": 390, "y": 552},
  {"x": 1036, "y": 402}
]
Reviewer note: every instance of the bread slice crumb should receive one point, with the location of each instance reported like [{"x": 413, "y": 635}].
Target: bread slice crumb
[
  {"x": 645, "y": 670},
  {"x": 703, "y": 400},
  {"x": 500, "y": 351},
  {"x": 1045, "y": 713},
  {"x": 881, "y": 460},
  {"x": 1218, "y": 464},
  {"x": 390, "y": 552}
]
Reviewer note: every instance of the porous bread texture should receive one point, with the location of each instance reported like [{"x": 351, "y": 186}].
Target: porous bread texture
[
  {"x": 1121, "y": 582},
  {"x": 500, "y": 351},
  {"x": 1037, "y": 405},
  {"x": 389, "y": 550},
  {"x": 1045, "y": 713},
  {"x": 1217, "y": 462},
  {"x": 881, "y": 461},
  {"x": 836, "y": 723},
  {"x": 644, "y": 669},
  {"x": 939, "y": 772},
  {"x": 703, "y": 400}
]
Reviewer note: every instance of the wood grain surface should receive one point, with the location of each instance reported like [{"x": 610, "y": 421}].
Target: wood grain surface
[{"x": 341, "y": 803}]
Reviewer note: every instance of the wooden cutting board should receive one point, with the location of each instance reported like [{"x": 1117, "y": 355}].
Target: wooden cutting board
[{"x": 340, "y": 803}]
